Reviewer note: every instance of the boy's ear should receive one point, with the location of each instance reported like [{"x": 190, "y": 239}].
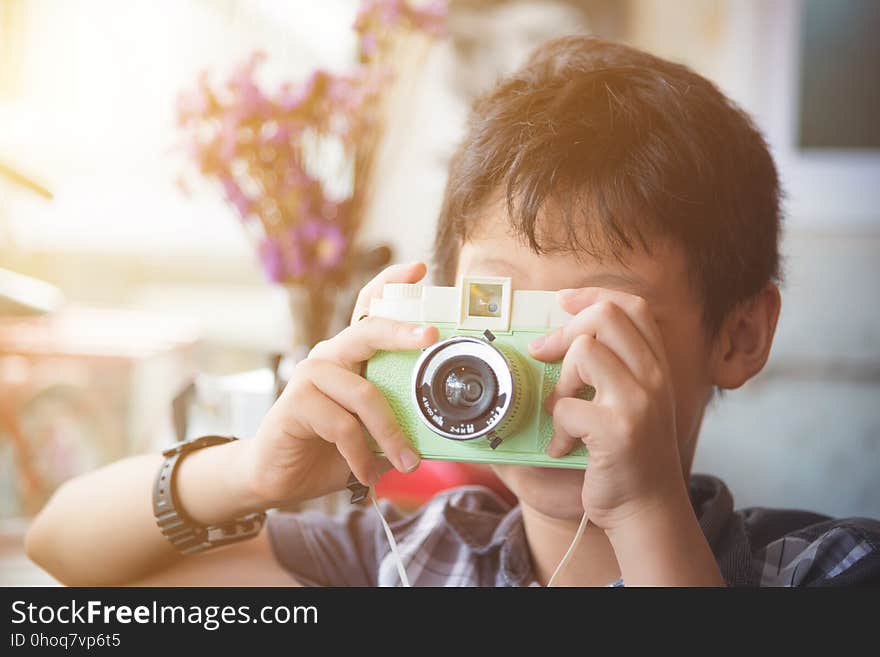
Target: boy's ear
[{"x": 743, "y": 343}]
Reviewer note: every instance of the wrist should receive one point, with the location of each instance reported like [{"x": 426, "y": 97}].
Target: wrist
[
  {"x": 664, "y": 509},
  {"x": 664, "y": 546},
  {"x": 214, "y": 484},
  {"x": 245, "y": 476}
]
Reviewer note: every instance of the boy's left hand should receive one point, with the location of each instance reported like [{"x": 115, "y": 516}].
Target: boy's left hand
[{"x": 614, "y": 344}]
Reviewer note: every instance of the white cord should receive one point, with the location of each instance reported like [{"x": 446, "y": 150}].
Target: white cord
[
  {"x": 571, "y": 548},
  {"x": 404, "y": 580}
]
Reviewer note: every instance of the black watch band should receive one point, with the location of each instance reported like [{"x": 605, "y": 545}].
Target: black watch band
[{"x": 185, "y": 534}]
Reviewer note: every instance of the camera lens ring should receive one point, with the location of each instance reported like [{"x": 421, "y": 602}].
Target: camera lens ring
[{"x": 481, "y": 359}]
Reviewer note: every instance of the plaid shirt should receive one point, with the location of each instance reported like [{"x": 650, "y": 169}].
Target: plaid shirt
[{"x": 469, "y": 537}]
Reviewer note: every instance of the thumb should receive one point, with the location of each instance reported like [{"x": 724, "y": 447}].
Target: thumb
[{"x": 411, "y": 272}]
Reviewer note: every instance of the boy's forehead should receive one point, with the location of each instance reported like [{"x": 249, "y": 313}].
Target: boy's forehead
[{"x": 494, "y": 248}]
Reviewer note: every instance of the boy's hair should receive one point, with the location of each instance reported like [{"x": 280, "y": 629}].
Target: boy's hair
[{"x": 621, "y": 147}]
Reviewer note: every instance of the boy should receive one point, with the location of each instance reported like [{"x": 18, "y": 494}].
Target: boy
[{"x": 636, "y": 189}]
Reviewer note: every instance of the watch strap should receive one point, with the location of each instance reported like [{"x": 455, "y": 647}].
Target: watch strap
[{"x": 186, "y": 535}]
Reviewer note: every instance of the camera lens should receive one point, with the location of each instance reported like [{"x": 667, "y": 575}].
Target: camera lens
[{"x": 464, "y": 388}]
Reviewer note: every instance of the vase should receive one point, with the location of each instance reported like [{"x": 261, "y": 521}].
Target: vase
[{"x": 311, "y": 315}]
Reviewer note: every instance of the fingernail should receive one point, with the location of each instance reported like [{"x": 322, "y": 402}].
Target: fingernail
[
  {"x": 373, "y": 477},
  {"x": 538, "y": 342},
  {"x": 409, "y": 459},
  {"x": 417, "y": 331}
]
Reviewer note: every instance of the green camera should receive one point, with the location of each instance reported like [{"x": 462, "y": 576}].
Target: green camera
[{"x": 475, "y": 395}]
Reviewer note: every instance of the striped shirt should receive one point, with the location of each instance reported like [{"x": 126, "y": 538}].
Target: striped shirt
[{"x": 468, "y": 536}]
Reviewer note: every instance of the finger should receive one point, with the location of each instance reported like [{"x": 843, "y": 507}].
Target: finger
[
  {"x": 405, "y": 273},
  {"x": 636, "y": 308},
  {"x": 360, "y": 397},
  {"x": 332, "y": 423},
  {"x": 575, "y": 421},
  {"x": 383, "y": 465},
  {"x": 612, "y": 326},
  {"x": 588, "y": 361},
  {"x": 359, "y": 342}
]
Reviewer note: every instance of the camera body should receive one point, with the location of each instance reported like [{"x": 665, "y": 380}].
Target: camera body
[{"x": 475, "y": 395}]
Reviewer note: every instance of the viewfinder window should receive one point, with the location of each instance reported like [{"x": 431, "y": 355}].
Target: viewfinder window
[{"x": 484, "y": 300}]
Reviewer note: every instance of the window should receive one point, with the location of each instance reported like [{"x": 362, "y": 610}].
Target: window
[
  {"x": 840, "y": 75},
  {"x": 813, "y": 89}
]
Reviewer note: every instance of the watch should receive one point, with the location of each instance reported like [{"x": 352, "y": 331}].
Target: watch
[{"x": 186, "y": 535}]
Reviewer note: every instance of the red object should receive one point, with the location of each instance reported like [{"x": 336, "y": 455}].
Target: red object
[{"x": 432, "y": 477}]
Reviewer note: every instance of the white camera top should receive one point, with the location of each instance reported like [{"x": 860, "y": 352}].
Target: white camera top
[{"x": 476, "y": 303}]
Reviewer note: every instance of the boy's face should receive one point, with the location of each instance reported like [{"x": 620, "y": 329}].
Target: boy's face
[{"x": 660, "y": 278}]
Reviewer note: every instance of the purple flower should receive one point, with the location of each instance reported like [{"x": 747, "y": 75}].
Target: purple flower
[
  {"x": 328, "y": 243},
  {"x": 248, "y": 101},
  {"x": 316, "y": 247},
  {"x": 389, "y": 11},
  {"x": 293, "y": 178},
  {"x": 276, "y": 134},
  {"x": 228, "y": 137},
  {"x": 236, "y": 196},
  {"x": 377, "y": 16},
  {"x": 383, "y": 12},
  {"x": 238, "y": 132},
  {"x": 293, "y": 98},
  {"x": 431, "y": 17},
  {"x": 270, "y": 257},
  {"x": 369, "y": 44}
]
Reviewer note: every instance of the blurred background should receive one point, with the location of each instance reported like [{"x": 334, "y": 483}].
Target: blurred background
[{"x": 159, "y": 263}]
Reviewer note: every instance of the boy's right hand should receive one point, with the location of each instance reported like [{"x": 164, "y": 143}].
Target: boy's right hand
[{"x": 312, "y": 437}]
